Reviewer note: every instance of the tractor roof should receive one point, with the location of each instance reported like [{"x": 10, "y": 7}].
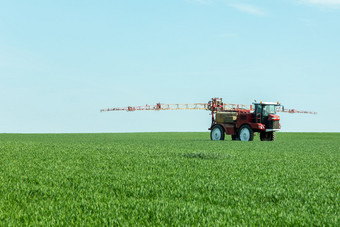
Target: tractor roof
[{"x": 267, "y": 103}]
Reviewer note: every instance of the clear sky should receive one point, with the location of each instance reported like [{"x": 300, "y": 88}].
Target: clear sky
[{"x": 62, "y": 61}]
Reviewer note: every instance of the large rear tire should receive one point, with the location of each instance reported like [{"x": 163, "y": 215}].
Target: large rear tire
[
  {"x": 246, "y": 133},
  {"x": 217, "y": 133},
  {"x": 267, "y": 136}
]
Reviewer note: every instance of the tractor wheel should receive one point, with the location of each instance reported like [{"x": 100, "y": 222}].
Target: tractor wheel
[
  {"x": 234, "y": 137},
  {"x": 246, "y": 133},
  {"x": 267, "y": 136},
  {"x": 217, "y": 133}
]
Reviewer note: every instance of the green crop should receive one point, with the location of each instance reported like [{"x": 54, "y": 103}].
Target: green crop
[{"x": 169, "y": 179}]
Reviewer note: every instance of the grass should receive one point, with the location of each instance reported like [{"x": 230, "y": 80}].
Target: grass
[{"x": 169, "y": 179}]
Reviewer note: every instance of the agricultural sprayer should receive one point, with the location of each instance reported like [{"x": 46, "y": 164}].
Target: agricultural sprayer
[{"x": 238, "y": 120}]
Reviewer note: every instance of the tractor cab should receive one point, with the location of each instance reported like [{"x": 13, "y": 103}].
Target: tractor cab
[{"x": 265, "y": 113}]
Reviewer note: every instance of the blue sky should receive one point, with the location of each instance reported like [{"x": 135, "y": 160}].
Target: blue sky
[{"x": 62, "y": 61}]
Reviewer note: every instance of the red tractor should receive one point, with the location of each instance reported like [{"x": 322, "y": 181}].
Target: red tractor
[{"x": 241, "y": 122}]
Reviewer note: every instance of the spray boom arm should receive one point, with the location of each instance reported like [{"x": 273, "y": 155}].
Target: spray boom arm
[{"x": 214, "y": 105}]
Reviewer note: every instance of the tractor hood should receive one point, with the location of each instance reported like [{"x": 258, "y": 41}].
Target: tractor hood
[{"x": 273, "y": 117}]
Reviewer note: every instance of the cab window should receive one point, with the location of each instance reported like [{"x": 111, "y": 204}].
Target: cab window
[
  {"x": 268, "y": 109},
  {"x": 258, "y": 109}
]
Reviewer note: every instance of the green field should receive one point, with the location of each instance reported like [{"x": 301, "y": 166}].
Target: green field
[{"x": 169, "y": 179}]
